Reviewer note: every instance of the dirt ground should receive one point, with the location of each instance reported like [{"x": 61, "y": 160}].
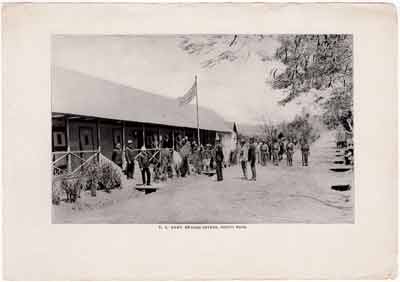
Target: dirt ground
[{"x": 280, "y": 195}]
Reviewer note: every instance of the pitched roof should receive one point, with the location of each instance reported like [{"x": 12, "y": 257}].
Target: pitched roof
[{"x": 82, "y": 94}]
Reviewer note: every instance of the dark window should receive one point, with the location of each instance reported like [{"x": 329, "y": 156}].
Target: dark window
[
  {"x": 59, "y": 139},
  {"x": 86, "y": 140}
]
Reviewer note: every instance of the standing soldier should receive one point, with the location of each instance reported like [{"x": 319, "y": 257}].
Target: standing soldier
[
  {"x": 130, "y": 160},
  {"x": 117, "y": 155},
  {"x": 281, "y": 149},
  {"x": 252, "y": 159},
  {"x": 289, "y": 152},
  {"x": 270, "y": 149},
  {"x": 275, "y": 152},
  {"x": 196, "y": 159},
  {"x": 264, "y": 153},
  {"x": 258, "y": 152},
  {"x": 243, "y": 154},
  {"x": 340, "y": 137},
  {"x": 219, "y": 159},
  {"x": 305, "y": 152},
  {"x": 144, "y": 164},
  {"x": 206, "y": 157}
]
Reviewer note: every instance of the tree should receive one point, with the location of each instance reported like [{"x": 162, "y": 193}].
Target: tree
[
  {"x": 217, "y": 49},
  {"x": 314, "y": 62},
  {"x": 309, "y": 62},
  {"x": 268, "y": 129}
]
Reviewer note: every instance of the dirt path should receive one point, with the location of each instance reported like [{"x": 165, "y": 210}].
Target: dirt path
[{"x": 280, "y": 195}]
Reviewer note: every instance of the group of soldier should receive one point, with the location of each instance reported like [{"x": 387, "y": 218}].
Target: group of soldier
[
  {"x": 270, "y": 150},
  {"x": 188, "y": 156},
  {"x": 201, "y": 158}
]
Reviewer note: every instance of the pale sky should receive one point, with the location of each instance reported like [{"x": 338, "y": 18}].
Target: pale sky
[{"x": 236, "y": 90}]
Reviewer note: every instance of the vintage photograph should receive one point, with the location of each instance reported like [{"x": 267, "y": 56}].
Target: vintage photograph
[{"x": 202, "y": 129}]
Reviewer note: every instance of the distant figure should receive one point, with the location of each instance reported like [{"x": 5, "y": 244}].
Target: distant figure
[
  {"x": 144, "y": 164},
  {"x": 269, "y": 143},
  {"x": 219, "y": 159},
  {"x": 340, "y": 137},
  {"x": 281, "y": 149},
  {"x": 185, "y": 151},
  {"x": 289, "y": 152},
  {"x": 196, "y": 157},
  {"x": 252, "y": 159},
  {"x": 130, "y": 160},
  {"x": 117, "y": 155},
  {"x": 275, "y": 152},
  {"x": 258, "y": 152},
  {"x": 206, "y": 157},
  {"x": 305, "y": 152},
  {"x": 264, "y": 153},
  {"x": 243, "y": 155}
]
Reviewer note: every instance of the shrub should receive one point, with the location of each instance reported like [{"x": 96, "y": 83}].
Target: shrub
[
  {"x": 93, "y": 175},
  {"x": 109, "y": 177},
  {"x": 56, "y": 193},
  {"x": 71, "y": 187}
]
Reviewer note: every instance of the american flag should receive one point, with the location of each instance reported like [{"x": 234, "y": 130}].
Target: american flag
[{"x": 188, "y": 97}]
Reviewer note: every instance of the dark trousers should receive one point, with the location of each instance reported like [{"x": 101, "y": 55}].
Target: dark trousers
[
  {"x": 146, "y": 172},
  {"x": 185, "y": 167},
  {"x": 304, "y": 158},
  {"x": 244, "y": 168},
  {"x": 130, "y": 169},
  {"x": 219, "y": 171},
  {"x": 275, "y": 158},
  {"x": 289, "y": 158},
  {"x": 253, "y": 169}
]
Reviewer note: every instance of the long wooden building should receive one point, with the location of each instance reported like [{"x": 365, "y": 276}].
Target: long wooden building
[{"x": 90, "y": 114}]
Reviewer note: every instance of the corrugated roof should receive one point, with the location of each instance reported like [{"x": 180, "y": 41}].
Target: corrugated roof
[{"x": 81, "y": 94}]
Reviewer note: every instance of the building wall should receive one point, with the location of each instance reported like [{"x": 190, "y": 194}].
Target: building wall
[
  {"x": 134, "y": 132},
  {"x": 78, "y": 131},
  {"x": 110, "y": 135},
  {"x": 84, "y": 136}
]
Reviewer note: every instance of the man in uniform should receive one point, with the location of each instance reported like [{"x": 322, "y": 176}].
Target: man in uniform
[
  {"x": 252, "y": 159},
  {"x": 275, "y": 152},
  {"x": 144, "y": 164},
  {"x": 130, "y": 160},
  {"x": 219, "y": 159},
  {"x": 281, "y": 149},
  {"x": 289, "y": 152},
  {"x": 270, "y": 149},
  {"x": 258, "y": 152},
  {"x": 305, "y": 152},
  {"x": 185, "y": 151},
  {"x": 264, "y": 153},
  {"x": 243, "y": 155}
]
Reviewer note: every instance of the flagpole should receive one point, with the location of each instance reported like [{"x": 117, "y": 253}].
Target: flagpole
[{"x": 197, "y": 112}]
